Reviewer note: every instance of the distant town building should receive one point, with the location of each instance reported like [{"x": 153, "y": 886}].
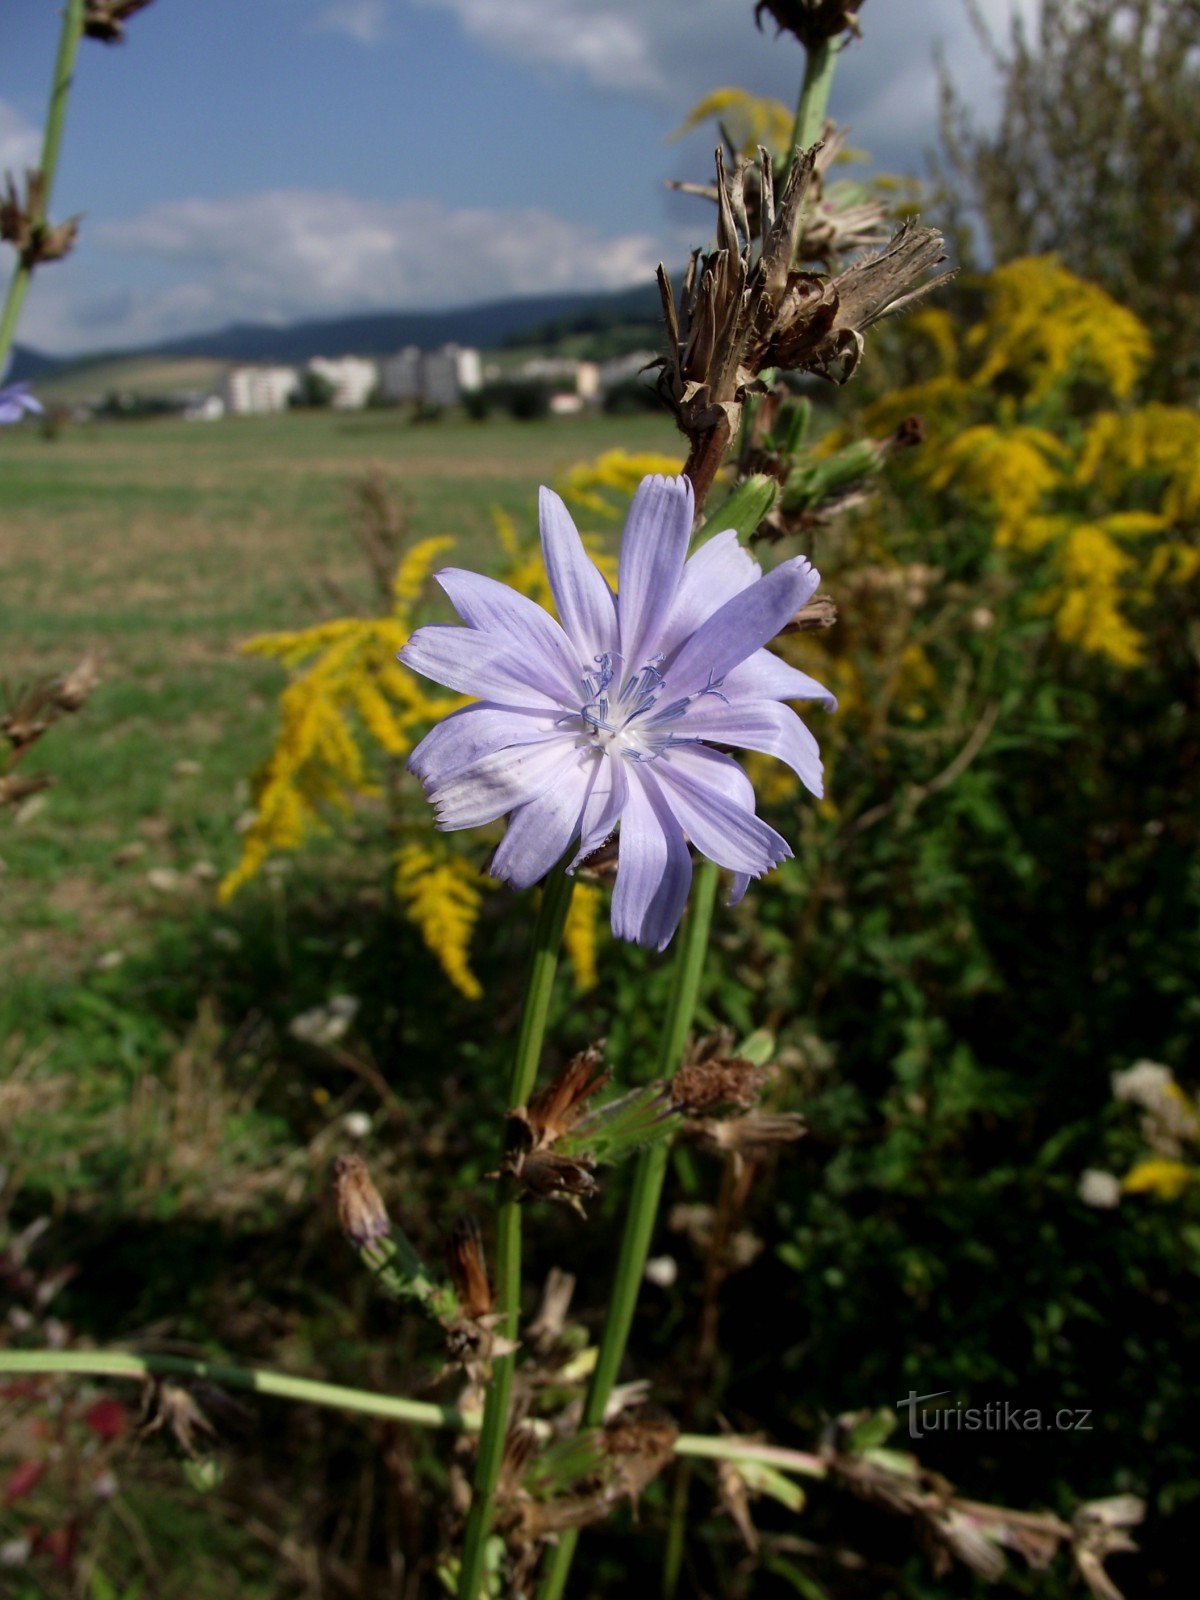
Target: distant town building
[
  {"x": 436, "y": 377},
  {"x": 566, "y": 405},
  {"x": 209, "y": 409},
  {"x": 352, "y": 379},
  {"x": 253, "y": 391},
  {"x": 400, "y": 376},
  {"x": 564, "y": 374},
  {"x": 449, "y": 373}
]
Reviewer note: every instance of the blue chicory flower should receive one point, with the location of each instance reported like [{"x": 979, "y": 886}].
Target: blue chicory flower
[
  {"x": 16, "y": 402},
  {"x": 609, "y": 717}
]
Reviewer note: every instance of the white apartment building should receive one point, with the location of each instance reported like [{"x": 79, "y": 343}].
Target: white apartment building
[
  {"x": 438, "y": 377},
  {"x": 563, "y": 373},
  {"x": 400, "y": 376},
  {"x": 254, "y": 391},
  {"x": 352, "y": 379}
]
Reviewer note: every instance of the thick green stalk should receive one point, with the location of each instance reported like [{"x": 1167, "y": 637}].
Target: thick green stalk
[
  {"x": 814, "y": 95},
  {"x": 647, "y": 1190},
  {"x": 119, "y": 1364},
  {"x": 547, "y": 942},
  {"x": 60, "y": 88}
]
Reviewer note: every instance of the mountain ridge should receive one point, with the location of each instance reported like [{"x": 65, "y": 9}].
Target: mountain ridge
[{"x": 488, "y": 325}]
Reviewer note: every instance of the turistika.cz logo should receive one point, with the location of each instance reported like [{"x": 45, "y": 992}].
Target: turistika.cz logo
[{"x": 998, "y": 1416}]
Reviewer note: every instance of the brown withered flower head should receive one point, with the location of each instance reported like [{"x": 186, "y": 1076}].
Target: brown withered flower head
[
  {"x": 30, "y": 709},
  {"x": 578, "y": 1480},
  {"x": 361, "y": 1213},
  {"x": 753, "y": 1134},
  {"x": 105, "y": 19},
  {"x": 73, "y": 690},
  {"x": 170, "y": 1408},
  {"x": 714, "y": 1079},
  {"x": 28, "y": 714},
  {"x": 467, "y": 1266},
  {"x": 742, "y": 310},
  {"x": 23, "y": 222},
  {"x": 814, "y": 22},
  {"x": 18, "y": 786},
  {"x": 832, "y": 226},
  {"x": 819, "y": 612},
  {"x": 533, "y": 1131}
]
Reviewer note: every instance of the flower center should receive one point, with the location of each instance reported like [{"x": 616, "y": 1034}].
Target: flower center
[{"x": 624, "y": 717}]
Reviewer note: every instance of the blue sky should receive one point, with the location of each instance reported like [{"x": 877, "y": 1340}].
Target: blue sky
[{"x": 277, "y": 159}]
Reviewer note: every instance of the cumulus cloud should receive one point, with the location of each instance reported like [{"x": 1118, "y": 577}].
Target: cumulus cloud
[
  {"x": 363, "y": 20},
  {"x": 608, "y": 43},
  {"x": 291, "y": 254},
  {"x": 20, "y": 141}
]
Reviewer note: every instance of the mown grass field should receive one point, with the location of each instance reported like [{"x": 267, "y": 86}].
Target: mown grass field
[
  {"x": 157, "y": 1117},
  {"x": 163, "y": 546}
]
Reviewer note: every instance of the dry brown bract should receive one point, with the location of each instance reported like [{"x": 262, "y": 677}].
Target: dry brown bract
[
  {"x": 23, "y": 223},
  {"x": 468, "y": 1269},
  {"x": 829, "y": 230},
  {"x": 533, "y": 1131}
]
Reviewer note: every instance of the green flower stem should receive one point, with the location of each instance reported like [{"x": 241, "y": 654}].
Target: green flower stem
[
  {"x": 643, "y": 1202},
  {"x": 420, "y": 1413},
  {"x": 119, "y": 1364},
  {"x": 60, "y": 89},
  {"x": 707, "y": 1447},
  {"x": 814, "y": 94},
  {"x": 547, "y": 942}
]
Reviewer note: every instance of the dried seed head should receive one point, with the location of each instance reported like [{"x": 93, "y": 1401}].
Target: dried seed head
[
  {"x": 105, "y": 19},
  {"x": 547, "y": 1176},
  {"x": 814, "y": 22},
  {"x": 701, "y": 1088},
  {"x": 589, "y": 1472},
  {"x": 533, "y": 1131},
  {"x": 361, "y": 1213},
  {"x": 755, "y": 1132},
  {"x": 71, "y": 692},
  {"x": 820, "y": 612},
  {"x": 30, "y": 712},
  {"x": 23, "y": 222},
  {"x": 601, "y": 865},
  {"x": 638, "y": 1450},
  {"x": 830, "y": 229},
  {"x": 16, "y": 786},
  {"x": 740, "y": 312},
  {"x": 545, "y": 1332},
  {"x": 168, "y": 1407},
  {"x": 559, "y": 1107},
  {"x": 468, "y": 1269}
]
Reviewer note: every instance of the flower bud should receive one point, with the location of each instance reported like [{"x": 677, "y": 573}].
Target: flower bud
[{"x": 362, "y": 1216}]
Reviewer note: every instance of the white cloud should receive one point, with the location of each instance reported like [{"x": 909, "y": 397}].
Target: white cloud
[
  {"x": 20, "y": 141},
  {"x": 363, "y": 20},
  {"x": 609, "y": 42},
  {"x": 292, "y": 254},
  {"x": 675, "y": 50}
]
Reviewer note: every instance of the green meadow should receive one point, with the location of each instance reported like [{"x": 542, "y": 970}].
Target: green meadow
[{"x": 163, "y": 546}]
